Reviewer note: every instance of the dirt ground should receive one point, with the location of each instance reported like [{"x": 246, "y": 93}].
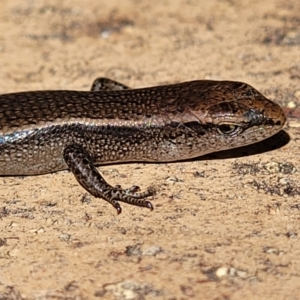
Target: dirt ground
[{"x": 224, "y": 226}]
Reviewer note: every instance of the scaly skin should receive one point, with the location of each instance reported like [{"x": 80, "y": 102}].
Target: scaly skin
[{"x": 48, "y": 131}]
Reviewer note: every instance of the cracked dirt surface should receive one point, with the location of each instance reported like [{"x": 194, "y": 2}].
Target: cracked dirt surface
[{"x": 225, "y": 226}]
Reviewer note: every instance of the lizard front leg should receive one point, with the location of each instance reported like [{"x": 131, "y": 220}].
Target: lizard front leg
[{"x": 81, "y": 165}]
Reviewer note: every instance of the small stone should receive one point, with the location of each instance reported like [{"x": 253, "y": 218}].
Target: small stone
[
  {"x": 173, "y": 179},
  {"x": 152, "y": 250},
  {"x": 272, "y": 167},
  {"x": 40, "y": 230},
  {"x": 291, "y": 104},
  {"x": 222, "y": 271},
  {"x": 284, "y": 181},
  {"x": 13, "y": 224},
  {"x": 293, "y": 123},
  {"x": 271, "y": 251},
  {"x": 241, "y": 273}
]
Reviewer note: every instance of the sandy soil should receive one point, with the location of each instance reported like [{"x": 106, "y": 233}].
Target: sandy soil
[{"x": 224, "y": 226}]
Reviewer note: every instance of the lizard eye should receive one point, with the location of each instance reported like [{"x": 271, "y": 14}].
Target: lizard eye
[{"x": 228, "y": 129}]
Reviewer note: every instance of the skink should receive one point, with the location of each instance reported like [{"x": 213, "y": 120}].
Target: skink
[{"x": 48, "y": 131}]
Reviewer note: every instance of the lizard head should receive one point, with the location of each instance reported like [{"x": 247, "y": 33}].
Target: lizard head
[
  {"x": 244, "y": 116},
  {"x": 220, "y": 115}
]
